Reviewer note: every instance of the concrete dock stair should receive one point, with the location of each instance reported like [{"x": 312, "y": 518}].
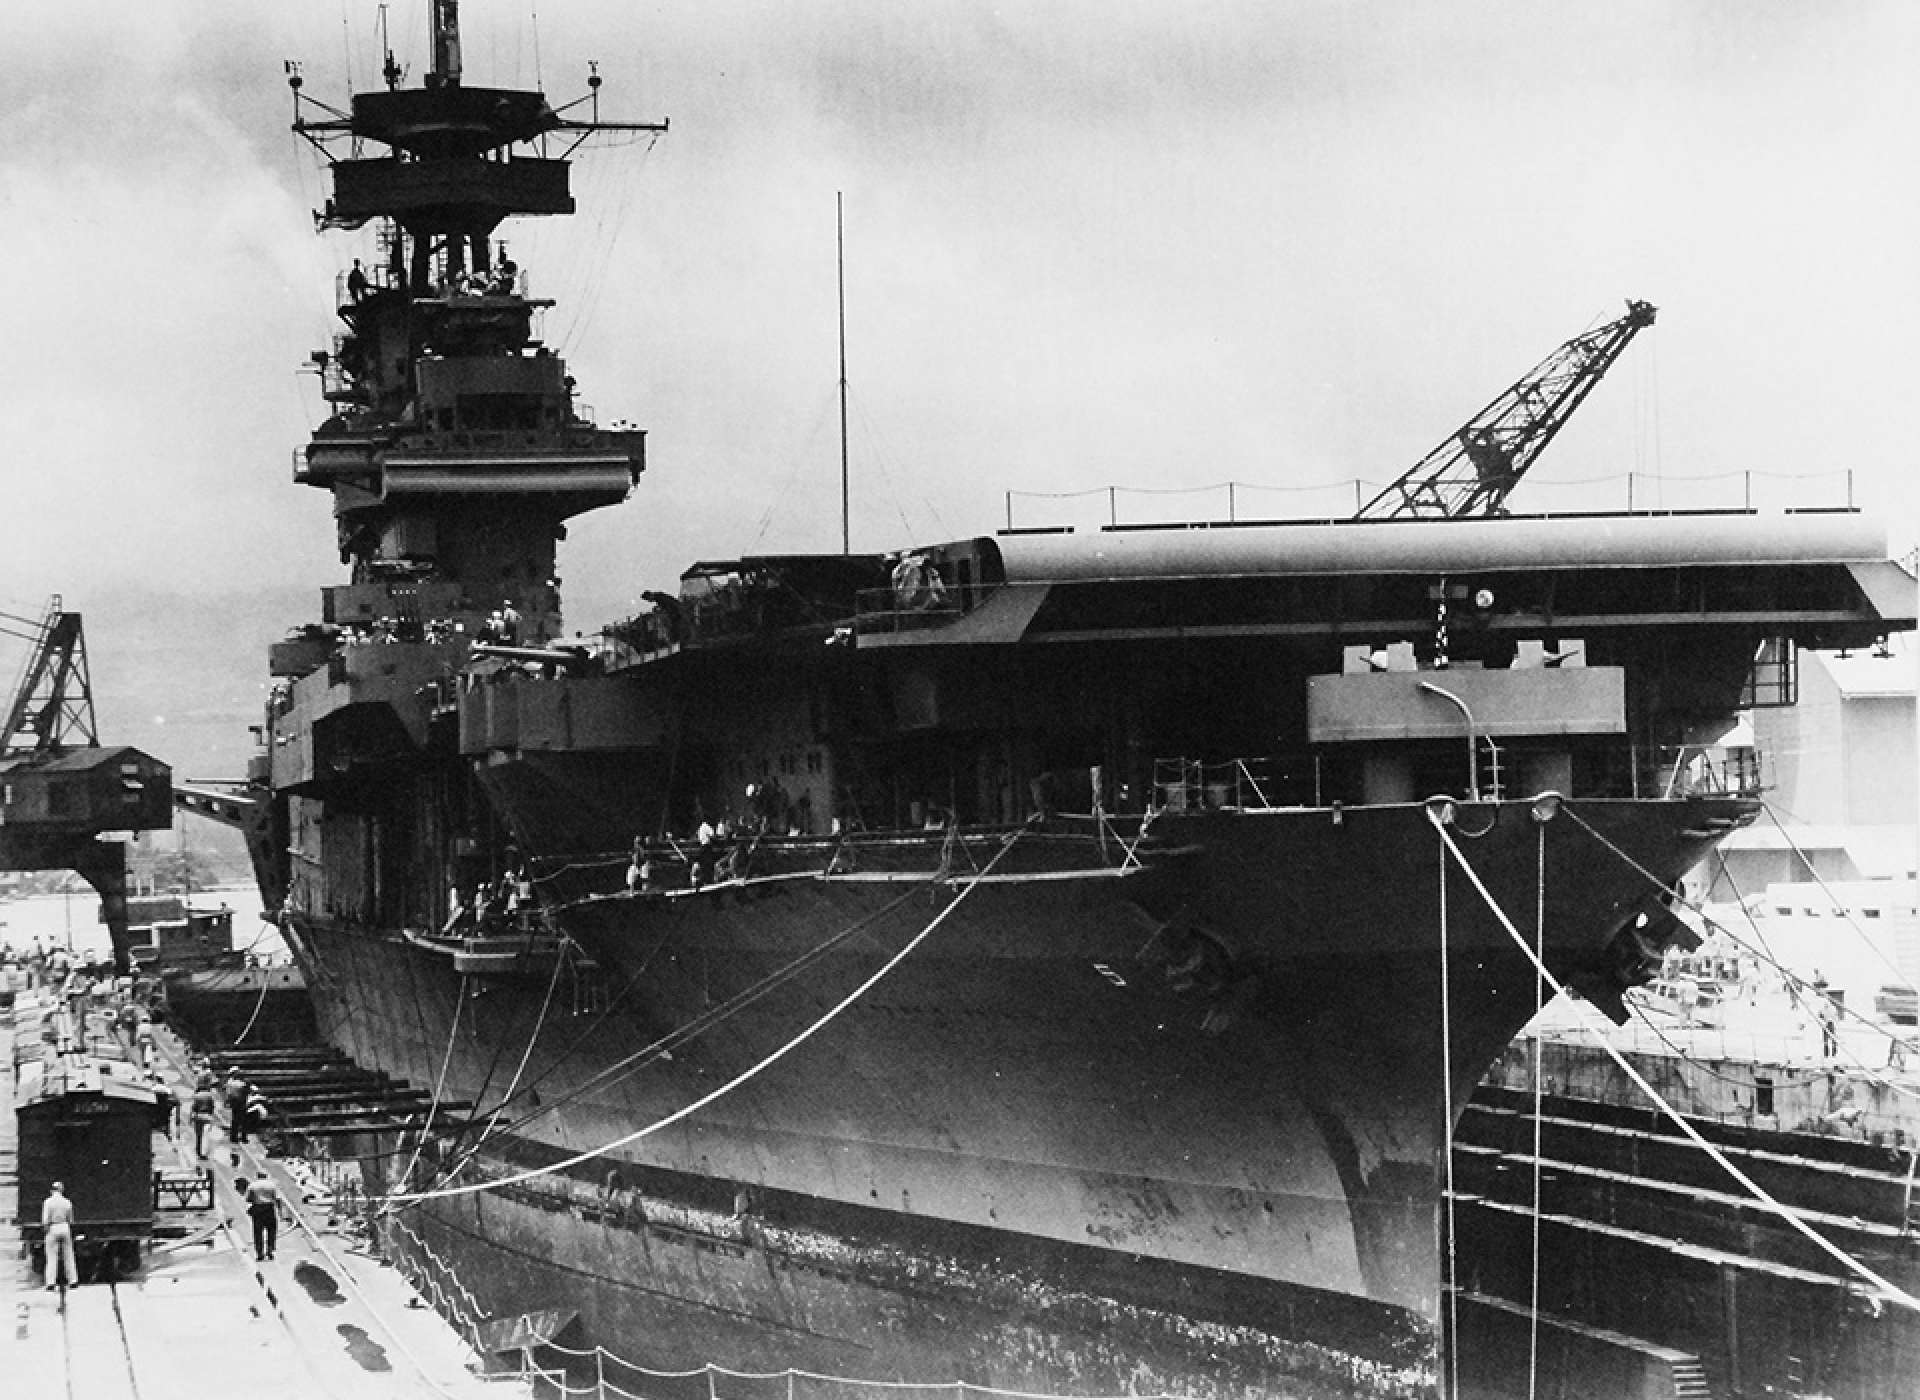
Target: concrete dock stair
[
  {"x": 1690, "y": 1380},
  {"x": 315, "y": 1091}
]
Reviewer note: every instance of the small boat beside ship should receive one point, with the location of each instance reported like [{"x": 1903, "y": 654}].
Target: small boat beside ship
[{"x": 213, "y": 992}]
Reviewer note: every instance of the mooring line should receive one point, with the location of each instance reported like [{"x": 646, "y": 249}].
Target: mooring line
[
  {"x": 1886, "y": 1290},
  {"x": 399, "y": 1198}
]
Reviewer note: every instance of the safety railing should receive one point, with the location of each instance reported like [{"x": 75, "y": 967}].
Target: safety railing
[
  {"x": 603, "y": 1376},
  {"x": 431, "y": 1276},
  {"x": 1245, "y": 784},
  {"x": 1498, "y": 772},
  {"x": 1238, "y": 503},
  {"x": 1695, "y": 771},
  {"x": 183, "y": 1190},
  {"x": 908, "y": 608},
  {"x": 380, "y": 277}
]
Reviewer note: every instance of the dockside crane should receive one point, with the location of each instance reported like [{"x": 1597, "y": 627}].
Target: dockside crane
[
  {"x": 61, "y": 790},
  {"x": 1472, "y": 472},
  {"x": 53, "y": 700}
]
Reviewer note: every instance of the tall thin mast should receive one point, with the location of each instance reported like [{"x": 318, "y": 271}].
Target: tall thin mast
[
  {"x": 840, "y": 251},
  {"x": 446, "y": 42}
]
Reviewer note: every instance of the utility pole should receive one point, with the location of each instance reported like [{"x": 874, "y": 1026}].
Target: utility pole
[{"x": 840, "y": 252}]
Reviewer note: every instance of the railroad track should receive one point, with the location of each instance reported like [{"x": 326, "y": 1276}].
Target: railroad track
[
  {"x": 88, "y": 1343},
  {"x": 203, "y": 1321}
]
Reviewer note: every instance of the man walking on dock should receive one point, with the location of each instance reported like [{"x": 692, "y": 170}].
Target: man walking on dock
[
  {"x": 263, "y": 1208},
  {"x": 236, "y": 1093},
  {"x": 202, "y": 1113},
  {"x": 56, "y": 1219}
]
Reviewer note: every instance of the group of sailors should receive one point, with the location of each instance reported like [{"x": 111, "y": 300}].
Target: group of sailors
[
  {"x": 721, "y": 851},
  {"x": 86, "y": 1009},
  {"x": 501, "y": 280},
  {"x": 722, "y": 847},
  {"x": 503, "y": 905},
  {"x": 79, "y": 989},
  {"x": 917, "y": 585},
  {"x": 23, "y": 969},
  {"x": 502, "y": 626}
]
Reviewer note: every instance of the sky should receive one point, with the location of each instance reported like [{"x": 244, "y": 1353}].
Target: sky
[{"x": 1152, "y": 245}]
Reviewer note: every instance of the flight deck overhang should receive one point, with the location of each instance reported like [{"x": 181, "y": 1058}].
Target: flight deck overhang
[
  {"x": 1889, "y": 588},
  {"x": 1821, "y": 577},
  {"x": 1559, "y": 543}
]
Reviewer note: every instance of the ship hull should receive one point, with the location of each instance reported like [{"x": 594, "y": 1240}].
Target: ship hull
[{"x": 1179, "y": 1120}]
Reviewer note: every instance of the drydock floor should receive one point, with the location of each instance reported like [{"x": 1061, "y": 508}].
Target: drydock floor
[{"x": 201, "y": 1320}]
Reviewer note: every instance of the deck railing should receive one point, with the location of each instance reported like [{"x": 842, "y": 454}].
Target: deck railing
[
  {"x": 1239, "y": 503},
  {"x": 1247, "y": 784},
  {"x": 891, "y": 610},
  {"x": 1692, "y": 770},
  {"x": 1320, "y": 779}
]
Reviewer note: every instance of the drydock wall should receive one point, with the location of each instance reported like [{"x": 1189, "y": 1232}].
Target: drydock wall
[{"x": 1644, "y": 1235}]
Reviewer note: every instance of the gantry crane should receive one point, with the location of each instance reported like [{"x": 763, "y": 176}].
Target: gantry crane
[
  {"x": 53, "y": 701},
  {"x": 1472, "y": 472},
  {"x": 60, "y": 789}
]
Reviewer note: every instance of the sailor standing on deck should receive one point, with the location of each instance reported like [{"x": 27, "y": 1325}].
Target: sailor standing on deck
[
  {"x": 56, "y": 1219},
  {"x": 1829, "y": 1018}
]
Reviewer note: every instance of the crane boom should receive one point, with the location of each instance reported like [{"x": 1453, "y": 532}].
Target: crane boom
[
  {"x": 1472, "y": 472},
  {"x": 52, "y": 706},
  {"x": 61, "y": 791}
]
